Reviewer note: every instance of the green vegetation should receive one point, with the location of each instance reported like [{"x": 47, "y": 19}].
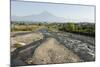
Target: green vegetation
[{"x": 78, "y": 28}]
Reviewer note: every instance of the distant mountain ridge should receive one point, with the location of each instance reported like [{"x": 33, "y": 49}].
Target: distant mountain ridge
[{"x": 42, "y": 17}]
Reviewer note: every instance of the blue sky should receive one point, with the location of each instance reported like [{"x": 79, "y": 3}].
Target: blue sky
[{"x": 79, "y": 12}]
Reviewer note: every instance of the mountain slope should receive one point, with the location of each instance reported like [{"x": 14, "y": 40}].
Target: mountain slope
[{"x": 42, "y": 17}]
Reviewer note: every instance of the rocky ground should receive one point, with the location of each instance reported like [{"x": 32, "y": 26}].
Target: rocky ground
[{"x": 47, "y": 47}]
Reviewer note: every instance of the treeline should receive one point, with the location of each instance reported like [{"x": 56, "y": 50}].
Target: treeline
[{"x": 79, "y": 28}]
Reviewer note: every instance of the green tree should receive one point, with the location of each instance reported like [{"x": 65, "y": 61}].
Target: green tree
[{"x": 70, "y": 27}]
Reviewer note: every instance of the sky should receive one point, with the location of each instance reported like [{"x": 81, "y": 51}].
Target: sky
[{"x": 68, "y": 11}]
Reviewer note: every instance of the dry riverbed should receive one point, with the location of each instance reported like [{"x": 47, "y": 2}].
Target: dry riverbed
[{"x": 47, "y": 47}]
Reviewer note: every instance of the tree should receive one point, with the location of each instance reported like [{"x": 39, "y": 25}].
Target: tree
[{"x": 70, "y": 27}]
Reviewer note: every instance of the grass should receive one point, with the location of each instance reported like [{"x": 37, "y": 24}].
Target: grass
[{"x": 24, "y": 28}]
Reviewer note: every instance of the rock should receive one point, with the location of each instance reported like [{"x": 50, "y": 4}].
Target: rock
[
  {"x": 19, "y": 44},
  {"x": 51, "y": 51},
  {"x": 22, "y": 44},
  {"x": 84, "y": 50}
]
